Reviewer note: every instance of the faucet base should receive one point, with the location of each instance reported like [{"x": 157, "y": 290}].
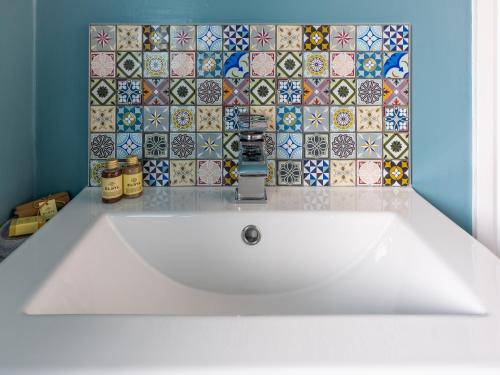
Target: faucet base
[{"x": 242, "y": 198}]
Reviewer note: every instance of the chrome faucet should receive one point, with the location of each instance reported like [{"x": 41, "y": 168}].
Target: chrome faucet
[{"x": 252, "y": 159}]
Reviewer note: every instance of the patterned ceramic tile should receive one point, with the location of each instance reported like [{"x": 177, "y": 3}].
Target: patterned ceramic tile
[
  {"x": 289, "y": 64},
  {"x": 182, "y": 146},
  {"x": 182, "y": 118},
  {"x": 231, "y": 145},
  {"x": 95, "y": 171},
  {"x": 236, "y": 91},
  {"x": 230, "y": 172},
  {"x": 129, "y": 38},
  {"x": 316, "y": 64},
  {"x": 155, "y": 64},
  {"x": 396, "y": 38},
  {"x": 182, "y": 64},
  {"x": 342, "y": 65},
  {"x": 209, "y": 64},
  {"x": 128, "y": 144},
  {"x": 156, "y": 145},
  {"x": 102, "y": 146},
  {"x": 316, "y": 91},
  {"x": 343, "y": 91},
  {"x": 129, "y": 91},
  {"x": 262, "y": 92},
  {"x": 262, "y": 37},
  {"x": 369, "y": 91},
  {"x": 236, "y": 65},
  {"x": 369, "y": 145},
  {"x": 396, "y": 92},
  {"x": 262, "y": 64},
  {"x": 102, "y": 119},
  {"x": 316, "y": 119},
  {"x": 289, "y": 145},
  {"x": 129, "y": 65},
  {"x": 156, "y": 91},
  {"x": 182, "y": 173},
  {"x": 289, "y": 119},
  {"x": 289, "y": 37},
  {"x": 182, "y": 38},
  {"x": 208, "y": 119},
  {"x": 209, "y": 91},
  {"x": 289, "y": 91},
  {"x": 209, "y": 172},
  {"x": 156, "y": 172},
  {"x": 102, "y": 38},
  {"x": 316, "y": 146},
  {"x": 102, "y": 65},
  {"x": 396, "y": 65},
  {"x": 396, "y": 146},
  {"x": 290, "y": 172},
  {"x": 343, "y": 119},
  {"x": 369, "y": 65},
  {"x": 209, "y": 146},
  {"x": 236, "y": 37},
  {"x": 342, "y": 172},
  {"x": 270, "y": 145},
  {"x": 129, "y": 119},
  {"x": 102, "y": 92},
  {"x": 396, "y": 173},
  {"x": 156, "y": 119},
  {"x": 155, "y": 38},
  {"x": 316, "y": 172},
  {"x": 316, "y": 38},
  {"x": 369, "y": 38},
  {"x": 269, "y": 112},
  {"x": 343, "y": 146},
  {"x": 231, "y": 115},
  {"x": 369, "y": 172},
  {"x": 271, "y": 173},
  {"x": 369, "y": 118},
  {"x": 209, "y": 38},
  {"x": 343, "y": 38},
  {"x": 396, "y": 119},
  {"x": 182, "y": 91}
]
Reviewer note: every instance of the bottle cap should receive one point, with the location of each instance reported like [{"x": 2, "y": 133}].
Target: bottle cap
[
  {"x": 132, "y": 160},
  {"x": 112, "y": 164}
]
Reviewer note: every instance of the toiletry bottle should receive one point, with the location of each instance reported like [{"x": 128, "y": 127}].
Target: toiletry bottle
[
  {"x": 111, "y": 182},
  {"x": 132, "y": 178}
]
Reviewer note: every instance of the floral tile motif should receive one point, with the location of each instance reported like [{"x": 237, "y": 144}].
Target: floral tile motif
[
  {"x": 316, "y": 146},
  {"x": 289, "y": 119},
  {"x": 342, "y": 65},
  {"x": 396, "y": 119},
  {"x": 369, "y": 118},
  {"x": 316, "y": 119},
  {"x": 129, "y": 38},
  {"x": 396, "y": 173},
  {"x": 369, "y": 38},
  {"x": 155, "y": 38},
  {"x": 129, "y": 119},
  {"x": 182, "y": 91},
  {"x": 209, "y": 172},
  {"x": 102, "y": 64},
  {"x": 209, "y": 38},
  {"x": 236, "y": 65},
  {"x": 182, "y": 64},
  {"x": 230, "y": 172},
  {"x": 236, "y": 37},
  {"x": 271, "y": 173},
  {"x": 269, "y": 112},
  {"x": 396, "y": 65},
  {"x": 209, "y": 146},
  {"x": 156, "y": 145},
  {"x": 182, "y": 146},
  {"x": 102, "y": 119},
  {"x": 343, "y": 146},
  {"x": 290, "y": 172},
  {"x": 343, "y": 119},
  {"x": 156, "y": 119},
  {"x": 231, "y": 146},
  {"x": 209, "y": 64},
  {"x": 262, "y": 37},
  {"x": 396, "y": 38},
  {"x": 343, "y": 38},
  {"x": 231, "y": 115},
  {"x": 182, "y": 119},
  {"x": 262, "y": 92},
  {"x": 128, "y": 144},
  {"x": 182, "y": 173},
  {"x": 156, "y": 91},
  {"x": 369, "y": 145},
  {"x": 209, "y": 91},
  {"x": 155, "y": 172},
  {"x": 343, "y": 91},
  {"x": 289, "y": 91},
  {"x": 396, "y": 92},
  {"x": 316, "y": 91},
  {"x": 182, "y": 38},
  {"x": 289, "y": 64},
  {"x": 129, "y": 64},
  {"x": 316, "y": 64},
  {"x": 102, "y": 146},
  {"x": 342, "y": 172},
  {"x": 155, "y": 64},
  {"x": 208, "y": 119},
  {"x": 236, "y": 91},
  {"x": 262, "y": 64},
  {"x": 129, "y": 91},
  {"x": 289, "y": 145},
  {"x": 369, "y": 64},
  {"x": 369, "y": 172},
  {"x": 102, "y": 38},
  {"x": 289, "y": 38},
  {"x": 316, "y": 38},
  {"x": 95, "y": 171},
  {"x": 396, "y": 146},
  {"x": 270, "y": 145},
  {"x": 317, "y": 172},
  {"x": 102, "y": 92},
  {"x": 369, "y": 91}
]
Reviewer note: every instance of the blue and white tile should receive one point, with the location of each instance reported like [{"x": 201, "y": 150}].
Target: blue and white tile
[
  {"x": 369, "y": 38},
  {"x": 317, "y": 172},
  {"x": 289, "y": 119},
  {"x": 236, "y": 37},
  {"x": 128, "y": 144},
  {"x": 156, "y": 172},
  {"x": 289, "y": 145},
  {"x": 396, "y": 37},
  {"x": 209, "y": 37},
  {"x": 396, "y": 65}
]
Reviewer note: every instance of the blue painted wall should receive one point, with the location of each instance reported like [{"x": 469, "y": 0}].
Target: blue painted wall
[
  {"x": 16, "y": 104},
  {"x": 442, "y": 169}
]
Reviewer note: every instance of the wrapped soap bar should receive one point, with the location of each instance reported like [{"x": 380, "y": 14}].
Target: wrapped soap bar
[
  {"x": 25, "y": 225},
  {"x": 32, "y": 208}
]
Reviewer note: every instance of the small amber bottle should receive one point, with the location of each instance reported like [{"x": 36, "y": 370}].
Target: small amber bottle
[
  {"x": 111, "y": 182},
  {"x": 132, "y": 178}
]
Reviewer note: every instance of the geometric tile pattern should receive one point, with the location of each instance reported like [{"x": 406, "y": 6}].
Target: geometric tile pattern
[{"x": 336, "y": 99}]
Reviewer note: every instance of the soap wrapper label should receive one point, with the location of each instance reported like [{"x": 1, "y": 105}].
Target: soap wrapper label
[
  {"x": 132, "y": 184},
  {"x": 112, "y": 187},
  {"x": 25, "y": 225},
  {"x": 47, "y": 209}
]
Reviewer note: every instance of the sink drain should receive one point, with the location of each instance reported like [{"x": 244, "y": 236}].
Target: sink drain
[{"x": 251, "y": 235}]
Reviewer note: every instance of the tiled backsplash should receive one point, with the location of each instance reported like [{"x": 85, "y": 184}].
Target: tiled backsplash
[{"x": 336, "y": 98}]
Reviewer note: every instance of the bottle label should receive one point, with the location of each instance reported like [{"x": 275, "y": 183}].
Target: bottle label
[
  {"x": 111, "y": 187},
  {"x": 132, "y": 183}
]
